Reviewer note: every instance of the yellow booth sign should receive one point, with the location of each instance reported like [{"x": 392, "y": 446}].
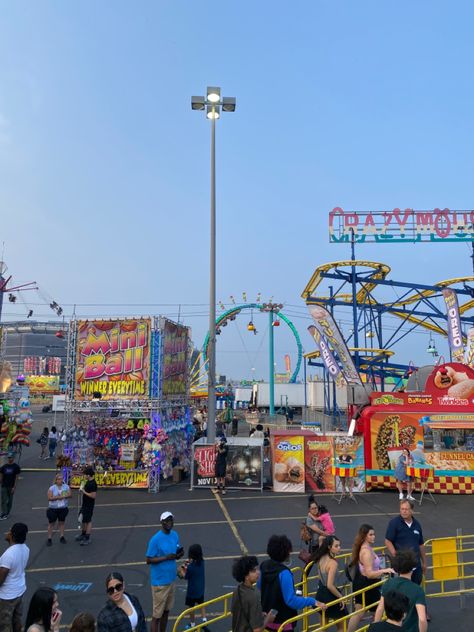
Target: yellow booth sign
[{"x": 135, "y": 479}]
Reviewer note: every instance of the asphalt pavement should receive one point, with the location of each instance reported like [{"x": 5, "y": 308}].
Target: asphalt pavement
[{"x": 124, "y": 521}]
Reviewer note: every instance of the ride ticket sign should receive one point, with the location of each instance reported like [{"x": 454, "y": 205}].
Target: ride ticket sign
[{"x": 113, "y": 359}]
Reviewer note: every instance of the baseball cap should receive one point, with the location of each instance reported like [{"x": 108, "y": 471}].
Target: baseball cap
[
  {"x": 165, "y": 515},
  {"x": 10, "y": 455}
]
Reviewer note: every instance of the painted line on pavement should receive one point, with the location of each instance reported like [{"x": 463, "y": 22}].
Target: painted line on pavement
[
  {"x": 257, "y": 496},
  {"x": 220, "y": 522},
  {"x": 190, "y": 500},
  {"x": 232, "y": 526},
  {"x": 47, "y": 569}
]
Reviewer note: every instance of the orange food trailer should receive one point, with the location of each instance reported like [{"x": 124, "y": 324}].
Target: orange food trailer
[{"x": 436, "y": 423}]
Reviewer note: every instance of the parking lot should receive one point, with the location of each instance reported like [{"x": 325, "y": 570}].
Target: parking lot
[{"x": 124, "y": 520}]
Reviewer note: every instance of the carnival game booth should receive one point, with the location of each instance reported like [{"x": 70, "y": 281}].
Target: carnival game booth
[
  {"x": 127, "y": 410},
  {"x": 437, "y": 424},
  {"x": 244, "y": 463},
  {"x": 303, "y": 460}
]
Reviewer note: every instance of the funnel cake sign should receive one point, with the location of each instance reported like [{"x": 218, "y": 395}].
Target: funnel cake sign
[
  {"x": 113, "y": 359},
  {"x": 399, "y": 225}
]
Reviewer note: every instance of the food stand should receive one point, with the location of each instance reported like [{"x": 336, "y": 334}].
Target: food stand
[
  {"x": 441, "y": 417},
  {"x": 127, "y": 411},
  {"x": 306, "y": 460}
]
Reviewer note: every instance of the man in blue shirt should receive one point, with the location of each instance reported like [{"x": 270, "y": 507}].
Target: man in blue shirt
[
  {"x": 162, "y": 552},
  {"x": 403, "y": 533}
]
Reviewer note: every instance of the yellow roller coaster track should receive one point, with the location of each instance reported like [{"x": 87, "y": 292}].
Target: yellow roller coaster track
[{"x": 380, "y": 271}]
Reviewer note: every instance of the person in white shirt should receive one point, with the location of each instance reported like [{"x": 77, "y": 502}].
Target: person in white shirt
[
  {"x": 58, "y": 500},
  {"x": 12, "y": 578}
]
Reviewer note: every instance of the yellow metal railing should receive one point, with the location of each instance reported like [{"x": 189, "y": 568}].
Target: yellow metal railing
[
  {"x": 452, "y": 566},
  {"x": 450, "y": 572},
  {"x": 325, "y": 624},
  {"x": 224, "y": 602}
]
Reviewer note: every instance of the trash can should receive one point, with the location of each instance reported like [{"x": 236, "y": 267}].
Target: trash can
[{"x": 177, "y": 474}]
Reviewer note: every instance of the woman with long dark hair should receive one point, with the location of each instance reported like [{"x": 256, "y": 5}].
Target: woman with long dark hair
[
  {"x": 368, "y": 570},
  {"x": 325, "y": 561},
  {"x": 122, "y": 612},
  {"x": 43, "y": 612}
]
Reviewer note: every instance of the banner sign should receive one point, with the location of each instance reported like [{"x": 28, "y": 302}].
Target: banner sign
[
  {"x": 469, "y": 354},
  {"x": 399, "y": 226},
  {"x": 457, "y": 461},
  {"x": 390, "y": 430},
  {"x": 318, "y": 457},
  {"x": 244, "y": 466},
  {"x": 136, "y": 479},
  {"x": 288, "y": 463},
  {"x": 113, "y": 359},
  {"x": 353, "y": 447},
  {"x": 42, "y": 383},
  {"x": 454, "y": 325},
  {"x": 327, "y": 327},
  {"x": 327, "y": 357},
  {"x": 175, "y": 366}
]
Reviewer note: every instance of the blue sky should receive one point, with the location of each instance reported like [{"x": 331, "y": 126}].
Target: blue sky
[{"x": 104, "y": 168}]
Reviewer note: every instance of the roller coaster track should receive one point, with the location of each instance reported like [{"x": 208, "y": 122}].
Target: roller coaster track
[{"x": 379, "y": 272}]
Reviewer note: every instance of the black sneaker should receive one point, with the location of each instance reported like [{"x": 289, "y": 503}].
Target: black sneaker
[
  {"x": 85, "y": 542},
  {"x": 79, "y": 537},
  {"x": 3, "y": 516},
  {"x": 49, "y": 542},
  {"x": 62, "y": 539}
]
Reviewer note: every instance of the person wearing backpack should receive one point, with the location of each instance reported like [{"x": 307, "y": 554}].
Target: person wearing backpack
[{"x": 365, "y": 569}]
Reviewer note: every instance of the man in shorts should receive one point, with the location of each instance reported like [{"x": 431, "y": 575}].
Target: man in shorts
[
  {"x": 12, "y": 578},
  {"x": 162, "y": 552},
  {"x": 58, "y": 499},
  {"x": 89, "y": 493}
]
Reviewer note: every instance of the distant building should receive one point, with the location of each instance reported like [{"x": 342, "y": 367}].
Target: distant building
[{"x": 35, "y": 348}]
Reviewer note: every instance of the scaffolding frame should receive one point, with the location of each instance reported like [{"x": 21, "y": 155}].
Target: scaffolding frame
[{"x": 151, "y": 407}]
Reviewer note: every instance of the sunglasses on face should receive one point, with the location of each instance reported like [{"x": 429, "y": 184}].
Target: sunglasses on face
[{"x": 116, "y": 588}]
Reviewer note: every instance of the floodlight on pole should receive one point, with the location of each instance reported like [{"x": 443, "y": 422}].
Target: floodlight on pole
[{"x": 212, "y": 104}]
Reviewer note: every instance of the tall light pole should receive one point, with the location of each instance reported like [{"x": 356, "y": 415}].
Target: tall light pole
[{"x": 212, "y": 104}]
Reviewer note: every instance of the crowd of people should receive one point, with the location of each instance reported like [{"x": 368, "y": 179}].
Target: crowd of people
[{"x": 265, "y": 596}]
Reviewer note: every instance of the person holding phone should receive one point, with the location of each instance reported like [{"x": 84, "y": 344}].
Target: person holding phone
[
  {"x": 58, "y": 499},
  {"x": 222, "y": 452},
  {"x": 43, "y": 612},
  {"x": 122, "y": 612},
  {"x": 163, "y": 550}
]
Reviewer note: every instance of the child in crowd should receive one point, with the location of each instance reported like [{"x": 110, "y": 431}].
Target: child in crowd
[
  {"x": 193, "y": 571},
  {"x": 326, "y": 523}
]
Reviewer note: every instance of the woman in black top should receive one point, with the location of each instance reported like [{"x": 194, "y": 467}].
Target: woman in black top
[{"x": 122, "y": 612}]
